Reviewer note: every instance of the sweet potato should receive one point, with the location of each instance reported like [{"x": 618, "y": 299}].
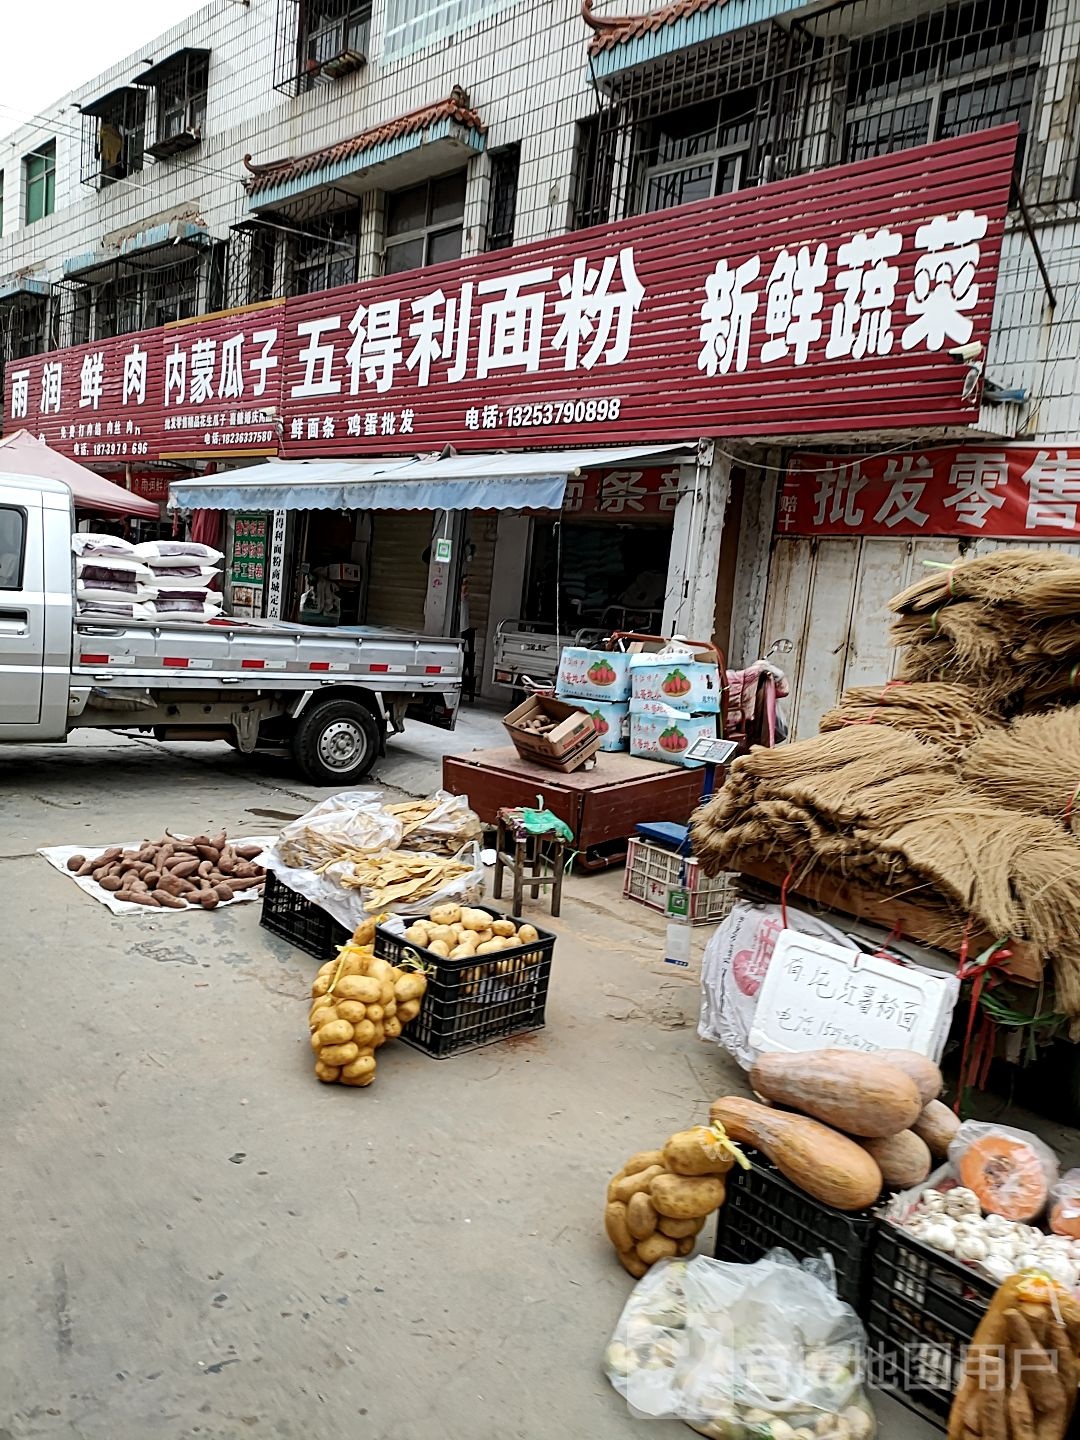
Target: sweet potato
[
  {"x": 110, "y": 882},
  {"x": 168, "y": 900},
  {"x": 184, "y": 867},
  {"x": 223, "y": 891},
  {"x": 249, "y": 852}
]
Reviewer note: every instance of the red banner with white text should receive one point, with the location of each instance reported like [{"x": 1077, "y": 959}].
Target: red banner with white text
[{"x": 1016, "y": 492}]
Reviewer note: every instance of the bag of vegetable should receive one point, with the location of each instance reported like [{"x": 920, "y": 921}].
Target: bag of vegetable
[{"x": 743, "y": 1352}]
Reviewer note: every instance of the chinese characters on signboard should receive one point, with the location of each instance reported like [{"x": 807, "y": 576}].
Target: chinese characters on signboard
[
  {"x": 627, "y": 494},
  {"x": 752, "y": 314},
  {"x": 1016, "y": 491},
  {"x": 275, "y": 567},
  {"x": 248, "y": 565}
]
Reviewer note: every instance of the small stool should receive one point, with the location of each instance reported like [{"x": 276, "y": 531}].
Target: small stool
[{"x": 509, "y": 826}]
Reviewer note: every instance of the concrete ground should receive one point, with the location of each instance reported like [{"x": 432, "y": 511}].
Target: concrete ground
[{"x": 199, "y": 1240}]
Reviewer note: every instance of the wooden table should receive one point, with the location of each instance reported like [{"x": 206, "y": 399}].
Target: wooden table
[{"x": 601, "y": 806}]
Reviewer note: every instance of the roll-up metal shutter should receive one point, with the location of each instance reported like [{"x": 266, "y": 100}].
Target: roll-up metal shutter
[
  {"x": 482, "y": 530},
  {"x": 399, "y": 573}
]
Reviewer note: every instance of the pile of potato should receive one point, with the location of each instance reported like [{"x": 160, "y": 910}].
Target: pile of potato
[
  {"x": 359, "y": 1002},
  {"x": 174, "y": 874},
  {"x": 660, "y": 1199},
  {"x": 454, "y": 932}
]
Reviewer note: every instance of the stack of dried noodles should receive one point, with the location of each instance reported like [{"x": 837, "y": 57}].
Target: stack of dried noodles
[
  {"x": 937, "y": 713},
  {"x": 1032, "y": 766},
  {"x": 1004, "y": 623}
]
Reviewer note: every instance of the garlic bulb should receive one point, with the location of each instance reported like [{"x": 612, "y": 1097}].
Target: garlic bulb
[
  {"x": 961, "y": 1201},
  {"x": 971, "y": 1247},
  {"x": 939, "y": 1236},
  {"x": 933, "y": 1201},
  {"x": 998, "y": 1268},
  {"x": 1027, "y": 1260}
]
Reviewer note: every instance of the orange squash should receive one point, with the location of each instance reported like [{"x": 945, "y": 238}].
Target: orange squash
[
  {"x": 858, "y": 1093},
  {"x": 826, "y": 1165},
  {"x": 904, "y": 1160},
  {"x": 937, "y": 1125},
  {"x": 1004, "y": 1169},
  {"x": 927, "y": 1075}
]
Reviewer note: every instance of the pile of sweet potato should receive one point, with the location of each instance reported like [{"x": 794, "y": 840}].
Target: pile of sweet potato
[
  {"x": 175, "y": 874},
  {"x": 1021, "y": 1370}
]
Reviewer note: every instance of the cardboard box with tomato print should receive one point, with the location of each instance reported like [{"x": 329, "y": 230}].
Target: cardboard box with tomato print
[
  {"x": 586, "y": 674},
  {"x": 665, "y": 733},
  {"x": 674, "y": 679},
  {"x": 611, "y": 722}
]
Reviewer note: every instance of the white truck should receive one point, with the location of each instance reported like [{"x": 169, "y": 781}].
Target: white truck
[{"x": 328, "y": 696}]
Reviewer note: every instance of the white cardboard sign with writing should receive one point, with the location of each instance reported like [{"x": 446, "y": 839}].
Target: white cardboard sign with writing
[{"x": 819, "y": 996}]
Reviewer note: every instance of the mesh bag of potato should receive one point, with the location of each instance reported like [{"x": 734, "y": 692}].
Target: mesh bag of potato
[
  {"x": 660, "y": 1199},
  {"x": 359, "y": 1002}
]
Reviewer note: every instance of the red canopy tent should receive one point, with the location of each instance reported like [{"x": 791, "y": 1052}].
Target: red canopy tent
[{"x": 22, "y": 454}]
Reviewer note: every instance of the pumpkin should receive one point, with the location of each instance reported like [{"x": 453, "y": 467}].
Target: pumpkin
[
  {"x": 852, "y": 1091},
  {"x": 904, "y": 1160},
  {"x": 927, "y": 1075},
  {"x": 937, "y": 1125},
  {"x": 826, "y": 1165},
  {"x": 1010, "y": 1171}
]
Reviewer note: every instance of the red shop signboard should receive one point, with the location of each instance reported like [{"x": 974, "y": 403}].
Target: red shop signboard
[
  {"x": 823, "y": 303},
  {"x": 1008, "y": 491}
]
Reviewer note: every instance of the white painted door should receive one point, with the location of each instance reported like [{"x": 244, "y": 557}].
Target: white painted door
[{"x": 830, "y": 598}]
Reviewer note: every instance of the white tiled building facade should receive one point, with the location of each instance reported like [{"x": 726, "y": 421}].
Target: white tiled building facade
[{"x": 584, "y": 119}]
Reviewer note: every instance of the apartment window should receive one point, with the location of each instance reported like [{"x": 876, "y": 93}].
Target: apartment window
[
  {"x": 409, "y": 25},
  {"x": 172, "y": 293},
  {"x": 335, "y": 36},
  {"x": 326, "y": 256},
  {"x": 23, "y": 328},
  {"x": 959, "y": 70},
  {"x": 40, "y": 167},
  {"x": 119, "y": 307},
  {"x": 695, "y": 153},
  {"x": 502, "y": 197},
  {"x": 594, "y": 170},
  {"x": 180, "y": 86},
  {"x": 424, "y": 224},
  {"x": 114, "y": 132},
  {"x": 1, "y": 203}
]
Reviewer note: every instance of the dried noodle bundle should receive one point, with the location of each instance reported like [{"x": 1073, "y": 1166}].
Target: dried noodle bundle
[
  {"x": 1004, "y": 577},
  {"x": 936, "y": 713},
  {"x": 1033, "y": 766}
]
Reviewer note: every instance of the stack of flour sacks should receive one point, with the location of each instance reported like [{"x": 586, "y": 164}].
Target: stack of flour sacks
[{"x": 117, "y": 580}]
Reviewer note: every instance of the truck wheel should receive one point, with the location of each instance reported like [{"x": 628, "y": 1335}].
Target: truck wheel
[{"x": 335, "y": 742}]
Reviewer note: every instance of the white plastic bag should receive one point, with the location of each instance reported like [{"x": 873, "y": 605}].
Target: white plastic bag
[
  {"x": 162, "y": 554},
  {"x": 448, "y": 827},
  {"x": 734, "y": 965},
  {"x": 350, "y": 820},
  {"x": 733, "y": 1349},
  {"x": 84, "y": 543}
]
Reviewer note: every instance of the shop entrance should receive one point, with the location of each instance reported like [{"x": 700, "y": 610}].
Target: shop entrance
[{"x": 598, "y": 575}]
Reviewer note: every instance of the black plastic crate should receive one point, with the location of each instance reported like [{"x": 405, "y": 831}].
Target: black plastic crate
[
  {"x": 924, "y": 1309},
  {"x": 300, "y": 921},
  {"x": 478, "y": 1000},
  {"x": 764, "y": 1210}
]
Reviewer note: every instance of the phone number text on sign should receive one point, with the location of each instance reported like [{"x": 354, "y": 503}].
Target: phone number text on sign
[{"x": 562, "y": 412}]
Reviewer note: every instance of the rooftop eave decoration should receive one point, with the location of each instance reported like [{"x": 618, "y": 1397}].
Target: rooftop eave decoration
[
  {"x": 278, "y": 180},
  {"x": 16, "y": 288},
  {"x": 621, "y": 42}
]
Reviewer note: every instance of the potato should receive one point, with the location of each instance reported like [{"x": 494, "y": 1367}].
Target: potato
[
  {"x": 681, "y": 1229},
  {"x": 364, "y": 934},
  {"x": 695, "y": 1152},
  {"x": 462, "y": 952},
  {"x": 685, "y": 1245},
  {"x": 440, "y": 948},
  {"x": 338, "y": 1032},
  {"x": 375, "y": 1013},
  {"x": 490, "y": 947},
  {"x": 681, "y": 1197},
  {"x": 619, "y": 1175},
  {"x": 362, "y": 1065},
  {"x": 365, "y": 988},
  {"x": 656, "y": 1247},
  {"x": 410, "y": 987},
  {"x": 642, "y": 1180},
  {"x": 386, "y": 993},
  {"x": 360, "y": 1080},
  {"x": 379, "y": 969},
  {"x": 321, "y": 985},
  {"x": 475, "y": 919},
  {"x": 408, "y": 1010},
  {"x": 457, "y": 930},
  {"x": 505, "y": 928},
  {"x": 316, "y": 1043},
  {"x": 322, "y": 1015},
  {"x": 631, "y": 1261},
  {"x": 391, "y": 1027},
  {"x": 615, "y": 1224},
  {"x": 351, "y": 1010},
  {"x": 445, "y": 933},
  {"x": 339, "y": 1054},
  {"x": 379, "y": 1038},
  {"x": 328, "y": 968},
  {"x": 484, "y": 937},
  {"x": 445, "y": 914},
  {"x": 527, "y": 935},
  {"x": 642, "y": 1160},
  {"x": 417, "y": 934},
  {"x": 641, "y": 1217},
  {"x": 326, "y": 1073},
  {"x": 364, "y": 1032},
  {"x": 389, "y": 1011}
]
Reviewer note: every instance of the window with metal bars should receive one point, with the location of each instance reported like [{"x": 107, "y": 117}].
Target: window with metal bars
[
  {"x": 40, "y": 168},
  {"x": 326, "y": 254},
  {"x": 425, "y": 224},
  {"x": 695, "y": 153},
  {"x": 23, "y": 328},
  {"x": 502, "y": 196},
  {"x": 595, "y": 149},
  {"x": 961, "y": 69}
]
